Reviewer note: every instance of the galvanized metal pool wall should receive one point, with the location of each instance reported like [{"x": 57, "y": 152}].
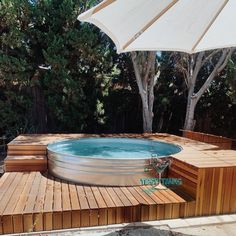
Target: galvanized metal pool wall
[{"x": 96, "y": 171}]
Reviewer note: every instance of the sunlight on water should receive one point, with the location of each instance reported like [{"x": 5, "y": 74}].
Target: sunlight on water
[{"x": 116, "y": 148}]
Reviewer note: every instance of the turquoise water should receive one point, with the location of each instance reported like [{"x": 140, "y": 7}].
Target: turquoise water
[{"x": 114, "y": 148}]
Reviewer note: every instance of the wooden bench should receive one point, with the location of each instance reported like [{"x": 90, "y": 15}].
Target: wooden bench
[{"x": 221, "y": 142}]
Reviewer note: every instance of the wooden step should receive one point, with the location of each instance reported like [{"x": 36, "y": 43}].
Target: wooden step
[
  {"x": 26, "y": 152},
  {"x": 25, "y": 163},
  {"x": 189, "y": 208}
]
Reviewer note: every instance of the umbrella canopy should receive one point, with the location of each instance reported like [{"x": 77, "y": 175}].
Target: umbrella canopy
[{"x": 167, "y": 25}]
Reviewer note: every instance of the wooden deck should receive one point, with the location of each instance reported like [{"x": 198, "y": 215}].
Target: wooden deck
[{"x": 34, "y": 201}]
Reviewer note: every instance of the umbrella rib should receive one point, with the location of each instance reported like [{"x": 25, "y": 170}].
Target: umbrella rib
[
  {"x": 103, "y": 5},
  {"x": 209, "y": 25},
  {"x": 150, "y": 23}
]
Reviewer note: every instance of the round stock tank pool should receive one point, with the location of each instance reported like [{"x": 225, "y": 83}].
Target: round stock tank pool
[{"x": 106, "y": 161}]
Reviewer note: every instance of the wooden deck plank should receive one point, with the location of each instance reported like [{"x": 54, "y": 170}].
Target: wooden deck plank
[
  {"x": 144, "y": 210},
  {"x": 39, "y": 204},
  {"x": 98, "y": 197},
  {"x": 120, "y": 214},
  {"x": 33, "y": 194},
  {"x": 9, "y": 207},
  {"x": 114, "y": 197},
  {"x": 140, "y": 191},
  {"x": 126, "y": 202},
  {"x": 214, "y": 188},
  {"x": 66, "y": 205},
  {"x": 82, "y": 198},
  {"x": 75, "y": 217},
  {"x": 28, "y": 219},
  {"x": 233, "y": 193},
  {"x": 173, "y": 197},
  {"x": 5, "y": 183},
  {"x": 7, "y": 188},
  {"x": 74, "y": 197},
  {"x": 137, "y": 196},
  {"x": 85, "y": 210},
  {"x": 3, "y": 178},
  {"x": 148, "y": 206},
  {"x": 48, "y": 204},
  {"x": 227, "y": 183},
  {"x": 90, "y": 197},
  {"x": 7, "y": 214},
  {"x": 122, "y": 197},
  {"x": 207, "y": 191},
  {"x": 174, "y": 208},
  {"x": 165, "y": 196},
  {"x": 136, "y": 209},
  {"x": 160, "y": 205},
  {"x": 219, "y": 192},
  {"x": 108, "y": 200},
  {"x": 111, "y": 210},
  {"x": 57, "y": 205},
  {"x": 102, "y": 220},
  {"x": 18, "y": 221},
  {"x": 92, "y": 205},
  {"x": 167, "y": 203}
]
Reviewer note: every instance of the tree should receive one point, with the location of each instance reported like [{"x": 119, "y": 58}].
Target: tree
[
  {"x": 144, "y": 64},
  {"x": 170, "y": 96},
  {"x": 211, "y": 64},
  {"x": 52, "y": 67},
  {"x": 231, "y": 77},
  {"x": 15, "y": 71},
  {"x": 216, "y": 111},
  {"x": 122, "y": 105}
]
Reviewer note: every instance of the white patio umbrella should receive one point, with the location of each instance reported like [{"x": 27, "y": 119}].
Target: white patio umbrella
[{"x": 167, "y": 25}]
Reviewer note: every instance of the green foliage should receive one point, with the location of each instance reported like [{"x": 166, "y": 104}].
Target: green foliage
[
  {"x": 13, "y": 107},
  {"x": 122, "y": 103},
  {"x": 231, "y": 78},
  {"x": 46, "y": 34},
  {"x": 170, "y": 97},
  {"x": 216, "y": 111}
]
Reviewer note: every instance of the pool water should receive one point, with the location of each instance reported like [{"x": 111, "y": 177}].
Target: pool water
[{"x": 114, "y": 148}]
